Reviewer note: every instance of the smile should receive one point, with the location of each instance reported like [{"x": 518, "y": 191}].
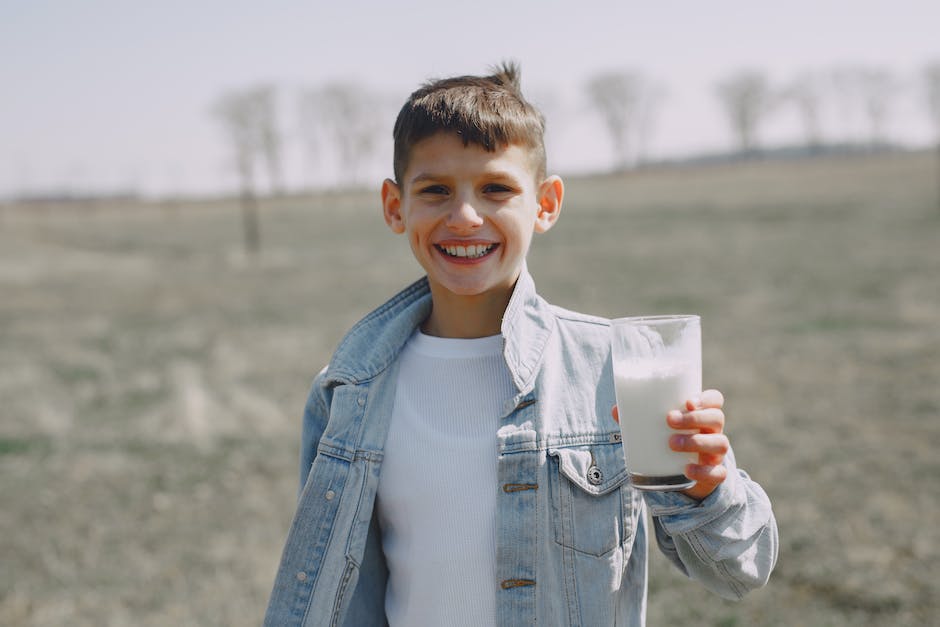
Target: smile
[{"x": 467, "y": 252}]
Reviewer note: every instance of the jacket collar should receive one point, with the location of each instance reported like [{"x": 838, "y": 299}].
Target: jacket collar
[
  {"x": 527, "y": 325},
  {"x": 375, "y": 341}
]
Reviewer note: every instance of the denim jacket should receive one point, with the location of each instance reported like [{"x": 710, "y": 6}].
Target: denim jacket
[{"x": 571, "y": 545}]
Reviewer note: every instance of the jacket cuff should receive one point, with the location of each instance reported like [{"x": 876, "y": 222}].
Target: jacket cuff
[{"x": 679, "y": 513}]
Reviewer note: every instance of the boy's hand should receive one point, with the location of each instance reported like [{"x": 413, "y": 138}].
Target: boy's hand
[{"x": 706, "y": 416}]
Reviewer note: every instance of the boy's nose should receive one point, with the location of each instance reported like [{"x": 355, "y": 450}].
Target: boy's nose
[{"x": 463, "y": 217}]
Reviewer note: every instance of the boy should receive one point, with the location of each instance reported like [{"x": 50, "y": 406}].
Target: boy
[{"x": 459, "y": 462}]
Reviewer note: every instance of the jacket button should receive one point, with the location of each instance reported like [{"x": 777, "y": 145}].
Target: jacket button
[
  {"x": 595, "y": 476},
  {"x": 301, "y": 576},
  {"x": 361, "y": 401},
  {"x": 329, "y": 495}
]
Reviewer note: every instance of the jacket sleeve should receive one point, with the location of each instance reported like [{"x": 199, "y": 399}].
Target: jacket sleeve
[
  {"x": 316, "y": 415},
  {"x": 728, "y": 541}
]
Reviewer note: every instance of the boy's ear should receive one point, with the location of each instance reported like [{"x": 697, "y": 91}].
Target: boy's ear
[
  {"x": 551, "y": 193},
  {"x": 391, "y": 206}
]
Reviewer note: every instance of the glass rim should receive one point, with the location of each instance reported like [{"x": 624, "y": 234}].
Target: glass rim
[{"x": 662, "y": 318}]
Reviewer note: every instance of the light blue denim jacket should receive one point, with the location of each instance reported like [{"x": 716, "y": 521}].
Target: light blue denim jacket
[{"x": 571, "y": 544}]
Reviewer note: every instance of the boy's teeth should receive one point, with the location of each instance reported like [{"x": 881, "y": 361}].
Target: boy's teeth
[{"x": 467, "y": 251}]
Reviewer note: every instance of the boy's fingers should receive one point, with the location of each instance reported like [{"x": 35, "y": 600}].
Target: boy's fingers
[
  {"x": 713, "y": 399},
  {"x": 706, "y": 475},
  {"x": 707, "y": 420},
  {"x": 711, "y": 460},
  {"x": 708, "y": 399},
  {"x": 703, "y": 443}
]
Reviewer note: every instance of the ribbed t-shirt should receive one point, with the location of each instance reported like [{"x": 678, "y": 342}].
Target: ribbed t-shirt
[{"x": 438, "y": 486}]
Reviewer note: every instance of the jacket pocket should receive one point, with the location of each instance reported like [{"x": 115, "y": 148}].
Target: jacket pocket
[{"x": 592, "y": 504}]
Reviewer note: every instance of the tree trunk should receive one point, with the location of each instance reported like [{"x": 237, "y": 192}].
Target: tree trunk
[{"x": 251, "y": 223}]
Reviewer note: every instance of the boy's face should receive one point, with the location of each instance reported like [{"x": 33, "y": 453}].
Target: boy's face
[{"x": 470, "y": 214}]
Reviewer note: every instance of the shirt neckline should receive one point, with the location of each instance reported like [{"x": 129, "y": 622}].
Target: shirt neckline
[{"x": 455, "y": 348}]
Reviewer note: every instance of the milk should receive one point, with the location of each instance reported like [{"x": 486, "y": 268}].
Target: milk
[{"x": 644, "y": 396}]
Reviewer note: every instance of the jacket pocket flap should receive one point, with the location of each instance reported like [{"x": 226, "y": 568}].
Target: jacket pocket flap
[{"x": 596, "y": 469}]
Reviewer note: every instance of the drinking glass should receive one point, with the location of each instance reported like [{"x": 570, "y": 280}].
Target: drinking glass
[{"x": 657, "y": 363}]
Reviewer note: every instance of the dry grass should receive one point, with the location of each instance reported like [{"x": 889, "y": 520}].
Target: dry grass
[{"x": 151, "y": 380}]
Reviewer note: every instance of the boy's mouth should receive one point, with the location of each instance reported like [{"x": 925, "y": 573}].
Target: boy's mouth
[{"x": 471, "y": 251}]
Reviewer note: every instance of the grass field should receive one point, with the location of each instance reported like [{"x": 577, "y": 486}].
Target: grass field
[{"x": 152, "y": 380}]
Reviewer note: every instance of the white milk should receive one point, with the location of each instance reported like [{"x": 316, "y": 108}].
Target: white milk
[{"x": 644, "y": 397}]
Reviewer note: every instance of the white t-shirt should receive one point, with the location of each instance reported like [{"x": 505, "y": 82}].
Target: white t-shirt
[{"x": 438, "y": 486}]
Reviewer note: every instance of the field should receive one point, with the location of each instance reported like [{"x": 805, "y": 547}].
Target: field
[{"x": 152, "y": 378}]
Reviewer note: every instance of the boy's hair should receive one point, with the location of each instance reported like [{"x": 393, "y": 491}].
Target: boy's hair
[{"x": 488, "y": 111}]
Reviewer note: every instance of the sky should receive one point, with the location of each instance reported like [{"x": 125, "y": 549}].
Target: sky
[{"x": 107, "y": 95}]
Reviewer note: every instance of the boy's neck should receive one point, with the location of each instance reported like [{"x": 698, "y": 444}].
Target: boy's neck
[{"x": 466, "y": 317}]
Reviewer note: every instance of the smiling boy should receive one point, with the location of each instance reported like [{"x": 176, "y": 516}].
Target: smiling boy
[
  {"x": 469, "y": 215},
  {"x": 459, "y": 462}
]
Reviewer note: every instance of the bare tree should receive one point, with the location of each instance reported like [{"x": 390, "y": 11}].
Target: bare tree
[
  {"x": 346, "y": 113},
  {"x": 863, "y": 96},
  {"x": 236, "y": 111},
  {"x": 627, "y": 103},
  {"x": 932, "y": 84},
  {"x": 807, "y": 93},
  {"x": 310, "y": 131},
  {"x": 843, "y": 85},
  {"x": 264, "y": 100},
  {"x": 747, "y": 98},
  {"x": 876, "y": 88},
  {"x": 654, "y": 93}
]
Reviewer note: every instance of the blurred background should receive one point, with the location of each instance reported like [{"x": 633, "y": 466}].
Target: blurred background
[{"x": 187, "y": 190}]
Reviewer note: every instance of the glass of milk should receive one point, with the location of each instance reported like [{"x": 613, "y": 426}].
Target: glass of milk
[{"x": 657, "y": 364}]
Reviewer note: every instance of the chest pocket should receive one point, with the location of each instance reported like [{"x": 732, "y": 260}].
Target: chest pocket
[{"x": 592, "y": 503}]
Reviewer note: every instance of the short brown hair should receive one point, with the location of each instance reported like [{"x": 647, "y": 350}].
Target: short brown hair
[{"x": 488, "y": 111}]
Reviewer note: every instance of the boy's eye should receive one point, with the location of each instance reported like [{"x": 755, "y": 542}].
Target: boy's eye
[
  {"x": 433, "y": 189},
  {"x": 496, "y": 188}
]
